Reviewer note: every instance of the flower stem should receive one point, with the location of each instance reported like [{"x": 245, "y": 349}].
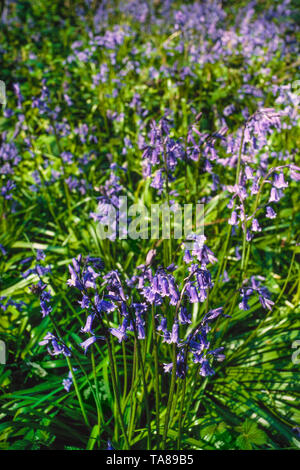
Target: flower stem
[
  {"x": 81, "y": 404},
  {"x": 170, "y": 399},
  {"x": 116, "y": 392},
  {"x": 155, "y": 352}
]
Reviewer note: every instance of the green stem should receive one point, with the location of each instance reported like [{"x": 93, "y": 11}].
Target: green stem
[
  {"x": 188, "y": 405},
  {"x": 181, "y": 414},
  {"x": 155, "y": 352},
  {"x": 116, "y": 392},
  {"x": 223, "y": 263},
  {"x": 169, "y": 243},
  {"x": 66, "y": 189},
  {"x": 125, "y": 371},
  {"x": 132, "y": 396},
  {"x": 171, "y": 394},
  {"x": 146, "y": 398},
  {"x": 81, "y": 404},
  {"x": 80, "y": 401},
  {"x": 98, "y": 401}
]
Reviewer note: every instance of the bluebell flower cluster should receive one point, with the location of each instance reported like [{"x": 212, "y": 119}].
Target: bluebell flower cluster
[
  {"x": 161, "y": 156},
  {"x": 57, "y": 345},
  {"x": 254, "y": 287}
]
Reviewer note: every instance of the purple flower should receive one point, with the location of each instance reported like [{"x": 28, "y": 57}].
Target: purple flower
[
  {"x": 157, "y": 181},
  {"x": 218, "y": 354},
  {"x": 180, "y": 366},
  {"x": 3, "y": 250},
  {"x": 109, "y": 445},
  {"x": 168, "y": 367},
  {"x": 187, "y": 258},
  {"x": 213, "y": 314},
  {"x": 279, "y": 182},
  {"x": 88, "y": 325},
  {"x": 266, "y": 303},
  {"x": 274, "y": 196},
  {"x": 84, "y": 302},
  {"x": 295, "y": 173},
  {"x": 233, "y": 218},
  {"x": 243, "y": 305},
  {"x": 255, "y": 226},
  {"x": 270, "y": 213},
  {"x": 255, "y": 187},
  {"x": 120, "y": 332},
  {"x": 174, "y": 335},
  {"x": 88, "y": 342},
  {"x": 46, "y": 309},
  {"x": 74, "y": 280},
  {"x": 67, "y": 384},
  {"x": 206, "y": 370},
  {"x": 249, "y": 173},
  {"x": 237, "y": 253},
  {"x": 249, "y": 236},
  {"x": 163, "y": 325},
  {"x": 104, "y": 305},
  {"x": 183, "y": 318},
  {"x": 67, "y": 157},
  {"x": 68, "y": 381},
  {"x": 40, "y": 255},
  {"x": 58, "y": 347},
  {"x": 192, "y": 292}
]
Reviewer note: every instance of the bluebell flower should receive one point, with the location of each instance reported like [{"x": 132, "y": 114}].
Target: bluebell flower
[
  {"x": 3, "y": 250},
  {"x": 206, "y": 370},
  {"x": 255, "y": 227},
  {"x": 109, "y": 445},
  {"x": 68, "y": 381},
  {"x": 266, "y": 302},
  {"x": 187, "y": 258},
  {"x": 183, "y": 316},
  {"x": 270, "y": 213},
  {"x": 255, "y": 187},
  {"x": 217, "y": 353},
  {"x": 233, "y": 218},
  {"x": 279, "y": 181},
  {"x": 84, "y": 302},
  {"x": 168, "y": 367},
  {"x": 243, "y": 305},
  {"x": 192, "y": 293},
  {"x": 274, "y": 196},
  {"x": 180, "y": 366},
  {"x": 40, "y": 255},
  {"x": 74, "y": 279},
  {"x": 88, "y": 325},
  {"x": 46, "y": 309},
  {"x": 174, "y": 338},
  {"x": 120, "y": 332},
  {"x": 58, "y": 347},
  {"x": 213, "y": 314},
  {"x": 88, "y": 342}
]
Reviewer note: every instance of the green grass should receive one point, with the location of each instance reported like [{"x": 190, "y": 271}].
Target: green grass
[{"x": 253, "y": 399}]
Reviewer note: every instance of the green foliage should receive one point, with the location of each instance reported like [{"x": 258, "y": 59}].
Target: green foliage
[
  {"x": 252, "y": 402},
  {"x": 250, "y": 435}
]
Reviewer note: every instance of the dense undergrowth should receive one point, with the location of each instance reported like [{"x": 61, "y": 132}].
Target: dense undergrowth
[{"x": 141, "y": 343}]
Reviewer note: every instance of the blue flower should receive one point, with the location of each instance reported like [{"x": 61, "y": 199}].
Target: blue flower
[
  {"x": 58, "y": 347},
  {"x": 88, "y": 342},
  {"x": 88, "y": 325}
]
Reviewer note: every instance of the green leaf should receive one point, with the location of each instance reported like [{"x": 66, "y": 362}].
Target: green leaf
[
  {"x": 243, "y": 443},
  {"x": 250, "y": 434},
  {"x": 93, "y": 437}
]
